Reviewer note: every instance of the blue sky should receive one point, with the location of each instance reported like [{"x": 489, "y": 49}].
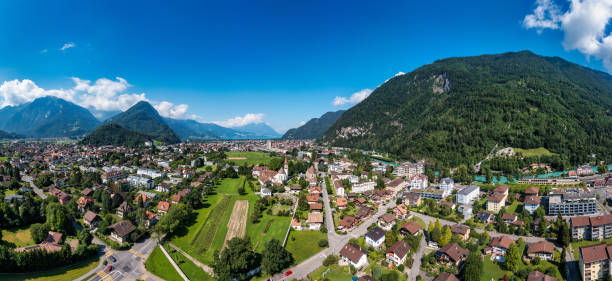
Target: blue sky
[{"x": 282, "y": 62}]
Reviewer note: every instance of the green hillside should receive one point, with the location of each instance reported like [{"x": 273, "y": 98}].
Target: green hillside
[
  {"x": 114, "y": 134},
  {"x": 455, "y": 110},
  {"x": 315, "y": 127},
  {"x": 143, "y": 118}
]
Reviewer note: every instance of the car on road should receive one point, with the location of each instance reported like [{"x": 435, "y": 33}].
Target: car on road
[
  {"x": 113, "y": 259},
  {"x": 110, "y": 268},
  {"x": 289, "y": 272}
]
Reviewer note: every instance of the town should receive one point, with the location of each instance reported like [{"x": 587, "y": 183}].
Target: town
[{"x": 294, "y": 210}]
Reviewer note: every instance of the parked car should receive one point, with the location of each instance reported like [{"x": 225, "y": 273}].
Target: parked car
[
  {"x": 113, "y": 259},
  {"x": 110, "y": 268},
  {"x": 289, "y": 272}
]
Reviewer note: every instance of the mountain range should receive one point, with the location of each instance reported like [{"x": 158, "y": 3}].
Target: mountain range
[
  {"x": 47, "y": 117},
  {"x": 314, "y": 128},
  {"x": 456, "y": 110}
]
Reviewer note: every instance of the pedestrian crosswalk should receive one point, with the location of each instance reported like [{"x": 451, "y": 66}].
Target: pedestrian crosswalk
[
  {"x": 104, "y": 276},
  {"x": 137, "y": 254}
]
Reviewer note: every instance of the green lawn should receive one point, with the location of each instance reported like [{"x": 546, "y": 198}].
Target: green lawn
[
  {"x": 192, "y": 271},
  {"x": 491, "y": 270},
  {"x": 540, "y": 151},
  {"x": 20, "y": 237},
  {"x": 304, "y": 244},
  {"x": 335, "y": 272},
  {"x": 513, "y": 207},
  {"x": 252, "y": 158},
  {"x": 3, "y": 158},
  {"x": 158, "y": 264},
  {"x": 419, "y": 221},
  {"x": 208, "y": 233},
  {"x": 70, "y": 272}
]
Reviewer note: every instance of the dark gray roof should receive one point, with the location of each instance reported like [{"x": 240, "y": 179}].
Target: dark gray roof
[
  {"x": 376, "y": 234},
  {"x": 468, "y": 190}
]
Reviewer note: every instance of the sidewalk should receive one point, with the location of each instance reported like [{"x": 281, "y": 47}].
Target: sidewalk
[{"x": 178, "y": 269}]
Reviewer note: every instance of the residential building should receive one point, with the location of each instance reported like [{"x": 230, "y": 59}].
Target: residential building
[
  {"x": 572, "y": 204},
  {"x": 460, "y": 230},
  {"x": 91, "y": 219},
  {"x": 594, "y": 261},
  {"x": 585, "y": 170},
  {"x": 445, "y": 276},
  {"x": 429, "y": 193},
  {"x": 150, "y": 173},
  {"x": 591, "y": 228},
  {"x": 539, "y": 276},
  {"x": 397, "y": 184},
  {"x": 419, "y": 182},
  {"x": 363, "y": 187},
  {"x": 410, "y": 228},
  {"x": 120, "y": 231},
  {"x": 140, "y": 182},
  {"x": 375, "y": 237},
  {"x": 163, "y": 207},
  {"x": 386, "y": 221},
  {"x": 354, "y": 255},
  {"x": 452, "y": 253},
  {"x": 532, "y": 203},
  {"x": 123, "y": 209},
  {"x": 500, "y": 244},
  {"x": 397, "y": 253},
  {"x": 466, "y": 195},
  {"x": 447, "y": 185},
  {"x": 495, "y": 202},
  {"x": 315, "y": 220},
  {"x": 543, "y": 250}
]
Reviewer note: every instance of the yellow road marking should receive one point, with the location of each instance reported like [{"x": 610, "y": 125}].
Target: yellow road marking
[
  {"x": 144, "y": 277},
  {"x": 102, "y": 274},
  {"x": 137, "y": 253},
  {"x": 108, "y": 253}
]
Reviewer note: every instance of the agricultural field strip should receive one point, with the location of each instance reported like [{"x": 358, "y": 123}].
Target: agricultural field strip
[
  {"x": 236, "y": 227},
  {"x": 207, "y": 232}
]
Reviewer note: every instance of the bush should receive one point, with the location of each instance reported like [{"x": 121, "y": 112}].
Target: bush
[
  {"x": 330, "y": 260},
  {"x": 323, "y": 243},
  {"x": 401, "y": 268}
]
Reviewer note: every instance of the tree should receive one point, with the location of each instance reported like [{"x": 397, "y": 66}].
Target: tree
[
  {"x": 446, "y": 237},
  {"x": 390, "y": 238},
  {"x": 57, "y": 219},
  {"x": 430, "y": 228},
  {"x": 513, "y": 258},
  {"x": 275, "y": 257},
  {"x": 84, "y": 237},
  {"x": 472, "y": 270},
  {"x": 236, "y": 260},
  {"x": 380, "y": 183},
  {"x": 438, "y": 225},
  {"x": 303, "y": 203},
  {"x": 563, "y": 235},
  {"x": 107, "y": 203},
  {"x": 39, "y": 232},
  {"x": 329, "y": 260},
  {"x": 435, "y": 235},
  {"x": 176, "y": 216}
]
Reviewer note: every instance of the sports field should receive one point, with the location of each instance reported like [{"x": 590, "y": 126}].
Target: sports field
[
  {"x": 210, "y": 230},
  {"x": 249, "y": 157}
]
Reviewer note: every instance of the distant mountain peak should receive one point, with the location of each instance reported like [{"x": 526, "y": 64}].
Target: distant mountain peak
[
  {"x": 143, "y": 118},
  {"x": 315, "y": 127}
]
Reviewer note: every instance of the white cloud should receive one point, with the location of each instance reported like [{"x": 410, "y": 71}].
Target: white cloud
[
  {"x": 102, "y": 95},
  {"x": 249, "y": 118},
  {"x": 584, "y": 25},
  {"x": 171, "y": 110},
  {"x": 396, "y": 74},
  {"x": 353, "y": 99},
  {"x": 302, "y": 123},
  {"x": 67, "y": 46}
]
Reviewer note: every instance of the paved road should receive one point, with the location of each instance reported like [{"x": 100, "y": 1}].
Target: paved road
[
  {"x": 37, "y": 190},
  {"x": 416, "y": 265},
  {"x": 129, "y": 265},
  {"x": 572, "y": 270}
]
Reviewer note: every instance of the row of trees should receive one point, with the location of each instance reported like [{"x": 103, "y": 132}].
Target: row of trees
[
  {"x": 40, "y": 259},
  {"x": 238, "y": 258}
]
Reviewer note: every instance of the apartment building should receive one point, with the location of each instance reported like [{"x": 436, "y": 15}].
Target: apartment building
[
  {"x": 594, "y": 262},
  {"x": 591, "y": 228},
  {"x": 572, "y": 204}
]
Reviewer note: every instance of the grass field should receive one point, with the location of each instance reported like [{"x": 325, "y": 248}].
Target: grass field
[
  {"x": 59, "y": 274},
  {"x": 208, "y": 233},
  {"x": 514, "y": 206},
  {"x": 251, "y": 158},
  {"x": 304, "y": 244},
  {"x": 20, "y": 237},
  {"x": 192, "y": 271},
  {"x": 491, "y": 270},
  {"x": 158, "y": 264},
  {"x": 333, "y": 272},
  {"x": 540, "y": 151}
]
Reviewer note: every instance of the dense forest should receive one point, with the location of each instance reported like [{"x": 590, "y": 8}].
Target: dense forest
[
  {"x": 456, "y": 110},
  {"x": 113, "y": 134}
]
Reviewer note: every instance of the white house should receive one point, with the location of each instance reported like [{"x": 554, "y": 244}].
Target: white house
[
  {"x": 447, "y": 185},
  {"x": 353, "y": 255},
  {"x": 150, "y": 173},
  {"x": 398, "y": 252},
  {"x": 466, "y": 195},
  {"x": 419, "y": 182},
  {"x": 140, "y": 182},
  {"x": 363, "y": 187},
  {"x": 532, "y": 203},
  {"x": 266, "y": 192},
  {"x": 375, "y": 237}
]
